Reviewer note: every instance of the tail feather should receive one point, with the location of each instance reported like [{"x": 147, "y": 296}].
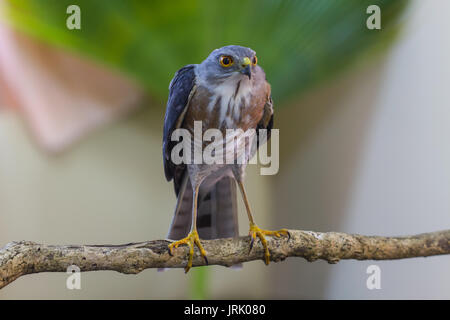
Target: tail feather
[
  {"x": 182, "y": 218},
  {"x": 216, "y": 213}
]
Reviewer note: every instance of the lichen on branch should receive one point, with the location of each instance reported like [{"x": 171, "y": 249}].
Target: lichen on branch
[{"x": 26, "y": 257}]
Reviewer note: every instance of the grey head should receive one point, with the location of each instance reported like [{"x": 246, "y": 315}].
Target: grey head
[{"x": 227, "y": 62}]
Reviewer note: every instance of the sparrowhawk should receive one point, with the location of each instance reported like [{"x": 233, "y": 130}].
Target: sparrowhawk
[{"x": 228, "y": 90}]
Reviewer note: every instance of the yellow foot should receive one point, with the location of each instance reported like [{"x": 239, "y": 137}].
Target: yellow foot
[
  {"x": 191, "y": 239},
  {"x": 255, "y": 231}
]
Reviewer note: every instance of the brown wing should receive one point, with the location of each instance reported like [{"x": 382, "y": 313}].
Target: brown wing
[{"x": 266, "y": 121}]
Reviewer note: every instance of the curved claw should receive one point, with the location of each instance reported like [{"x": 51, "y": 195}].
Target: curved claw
[
  {"x": 252, "y": 242},
  {"x": 191, "y": 240},
  {"x": 255, "y": 231},
  {"x": 191, "y": 256}
]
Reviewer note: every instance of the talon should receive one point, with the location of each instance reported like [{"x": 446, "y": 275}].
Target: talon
[
  {"x": 284, "y": 232},
  {"x": 266, "y": 258},
  {"x": 255, "y": 231},
  {"x": 191, "y": 240},
  {"x": 251, "y": 244}
]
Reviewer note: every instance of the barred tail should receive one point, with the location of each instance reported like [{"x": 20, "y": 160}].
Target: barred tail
[{"x": 217, "y": 210}]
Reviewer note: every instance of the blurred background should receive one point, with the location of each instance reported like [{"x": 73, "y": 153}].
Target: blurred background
[{"x": 364, "y": 122}]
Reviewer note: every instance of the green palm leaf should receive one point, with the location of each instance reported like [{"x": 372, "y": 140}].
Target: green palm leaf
[{"x": 300, "y": 43}]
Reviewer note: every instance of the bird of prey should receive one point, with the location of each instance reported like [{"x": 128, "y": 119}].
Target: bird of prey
[{"x": 228, "y": 90}]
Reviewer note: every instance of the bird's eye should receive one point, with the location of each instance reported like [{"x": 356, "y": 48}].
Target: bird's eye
[
  {"x": 226, "y": 61},
  {"x": 254, "y": 60}
]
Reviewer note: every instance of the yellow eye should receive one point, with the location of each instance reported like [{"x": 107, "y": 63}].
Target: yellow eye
[
  {"x": 226, "y": 61},
  {"x": 254, "y": 60}
]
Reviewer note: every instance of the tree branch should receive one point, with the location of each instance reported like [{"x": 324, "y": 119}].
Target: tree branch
[{"x": 25, "y": 257}]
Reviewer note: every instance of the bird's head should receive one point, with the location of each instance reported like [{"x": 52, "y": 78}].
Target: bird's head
[{"x": 226, "y": 62}]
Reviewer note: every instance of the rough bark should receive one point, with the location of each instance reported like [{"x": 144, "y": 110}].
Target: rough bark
[{"x": 25, "y": 257}]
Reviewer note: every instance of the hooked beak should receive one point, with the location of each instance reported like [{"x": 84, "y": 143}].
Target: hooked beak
[{"x": 246, "y": 67}]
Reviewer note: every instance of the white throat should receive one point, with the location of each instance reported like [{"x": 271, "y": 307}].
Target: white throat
[{"x": 234, "y": 94}]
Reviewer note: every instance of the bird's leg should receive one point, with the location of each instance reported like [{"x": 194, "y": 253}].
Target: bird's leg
[
  {"x": 192, "y": 238},
  {"x": 255, "y": 231}
]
